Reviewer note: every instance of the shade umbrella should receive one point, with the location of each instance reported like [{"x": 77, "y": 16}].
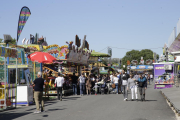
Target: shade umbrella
[{"x": 41, "y": 57}]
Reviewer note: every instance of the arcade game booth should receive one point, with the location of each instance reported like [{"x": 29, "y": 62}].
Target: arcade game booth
[
  {"x": 8, "y": 86},
  {"x": 163, "y": 75}
]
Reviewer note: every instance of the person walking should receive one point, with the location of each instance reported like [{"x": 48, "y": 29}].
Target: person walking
[
  {"x": 119, "y": 84},
  {"x": 142, "y": 82},
  {"x": 74, "y": 83},
  {"x": 111, "y": 78},
  {"x": 38, "y": 92},
  {"x": 93, "y": 80},
  {"x": 151, "y": 76},
  {"x": 124, "y": 79},
  {"x": 148, "y": 78},
  {"x": 59, "y": 81},
  {"x": 116, "y": 82},
  {"x": 133, "y": 87},
  {"x": 88, "y": 85},
  {"x": 108, "y": 83},
  {"x": 136, "y": 76},
  {"x": 82, "y": 84}
]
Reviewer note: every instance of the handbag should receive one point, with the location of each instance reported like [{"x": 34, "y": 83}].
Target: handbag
[
  {"x": 124, "y": 82},
  {"x": 113, "y": 86}
]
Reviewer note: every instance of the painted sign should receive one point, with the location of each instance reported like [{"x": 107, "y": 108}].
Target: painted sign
[
  {"x": 133, "y": 67},
  {"x": 142, "y": 67},
  {"x": 150, "y": 67},
  {"x": 18, "y": 66},
  {"x": 79, "y": 57},
  {"x": 57, "y": 52},
  {"x": 8, "y": 52},
  {"x": 170, "y": 58},
  {"x": 162, "y": 76}
]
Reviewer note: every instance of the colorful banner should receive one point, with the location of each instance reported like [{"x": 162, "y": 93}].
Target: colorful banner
[
  {"x": 23, "y": 17},
  {"x": 57, "y": 52},
  {"x": 8, "y": 52},
  {"x": 142, "y": 67},
  {"x": 162, "y": 76}
]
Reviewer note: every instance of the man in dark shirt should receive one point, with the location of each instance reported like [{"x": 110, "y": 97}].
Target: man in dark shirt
[
  {"x": 38, "y": 92},
  {"x": 74, "y": 82}
]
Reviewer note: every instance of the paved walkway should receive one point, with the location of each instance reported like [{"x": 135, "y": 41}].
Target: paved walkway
[
  {"x": 173, "y": 96},
  {"x": 100, "y": 107}
]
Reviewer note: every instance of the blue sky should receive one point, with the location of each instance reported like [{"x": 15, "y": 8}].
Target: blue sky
[{"x": 128, "y": 24}]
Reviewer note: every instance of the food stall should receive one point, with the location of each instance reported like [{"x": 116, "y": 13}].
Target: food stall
[
  {"x": 8, "y": 87},
  {"x": 142, "y": 69},
  {"x": 96, "y": 65},
  {"x": 163, "y": 75},
  {"x": 69, "y": 59}
]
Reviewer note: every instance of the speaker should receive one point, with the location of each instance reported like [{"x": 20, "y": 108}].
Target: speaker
[{"x": 7, "y": 38}]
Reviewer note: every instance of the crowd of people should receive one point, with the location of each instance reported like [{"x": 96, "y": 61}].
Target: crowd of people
[{"x": 116, "y": 83}]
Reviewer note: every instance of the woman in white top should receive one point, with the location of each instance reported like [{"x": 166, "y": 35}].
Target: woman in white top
[
  {"x": 116, "y": 81},
  {"x": 131, "y": 85},
  {"x": 111, "y": 78}
]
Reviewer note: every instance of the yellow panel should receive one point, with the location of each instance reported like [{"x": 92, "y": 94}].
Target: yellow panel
[{"x": 2, "y": 92}]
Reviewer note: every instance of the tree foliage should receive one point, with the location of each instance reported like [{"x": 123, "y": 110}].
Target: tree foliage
[
  {"x": 136, "y": 55},
  {"x": 105, "y": 61},
  {"x": 1, "y": 40},
  {"x": 13, "y": 41}
]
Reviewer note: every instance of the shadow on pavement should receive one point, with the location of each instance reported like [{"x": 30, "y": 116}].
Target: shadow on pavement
[
  {"x": 31, "y": 109},
  {"x": 11, "y": 116},
  {"x": 45, "y": 115},
  {"x": 150, "y": 100},
  {"x": 70, "y": 98},
  {"x": 55, "y": 109}
]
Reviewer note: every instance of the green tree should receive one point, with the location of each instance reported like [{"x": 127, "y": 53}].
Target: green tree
[
  {"x": 1, "y": 40},
  {"x": 136, "y": 55},
  {"x": 13, "y": 41},
  {"x": 105, "y": 61}
]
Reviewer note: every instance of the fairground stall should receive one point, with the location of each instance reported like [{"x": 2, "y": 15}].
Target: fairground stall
[
  {"x": 145, "y": 69},
  {"x": 163, "y": 75},
  {"x": 60, "y": 53},
  {"x": 8, "y": 85},
  {"x": 96, "y": 65},
  {"x": 176, "y": 55},
  {"x": 69, "y": 60},
  {"x": 24, "y": 75}
]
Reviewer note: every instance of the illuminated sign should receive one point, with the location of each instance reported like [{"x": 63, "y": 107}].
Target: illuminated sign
[
  {"x": 159, "y": 68},
  {"x": 18, "y": 66}
]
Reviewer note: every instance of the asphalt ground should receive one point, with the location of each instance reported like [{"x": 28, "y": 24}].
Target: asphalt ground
[{"x": 97, "y": 107}]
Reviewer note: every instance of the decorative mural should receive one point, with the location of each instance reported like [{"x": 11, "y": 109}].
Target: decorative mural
[
  {"x": 57, "y": 52},
  {"x": 8, "y": 52}
]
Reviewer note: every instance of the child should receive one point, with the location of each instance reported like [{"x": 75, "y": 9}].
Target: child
[{"x": 96, "y": 88}]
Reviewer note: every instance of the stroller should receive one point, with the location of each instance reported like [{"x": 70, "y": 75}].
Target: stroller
[
  {"x": 110, "y": 89},
  {"x": 103, "y": 88}
]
